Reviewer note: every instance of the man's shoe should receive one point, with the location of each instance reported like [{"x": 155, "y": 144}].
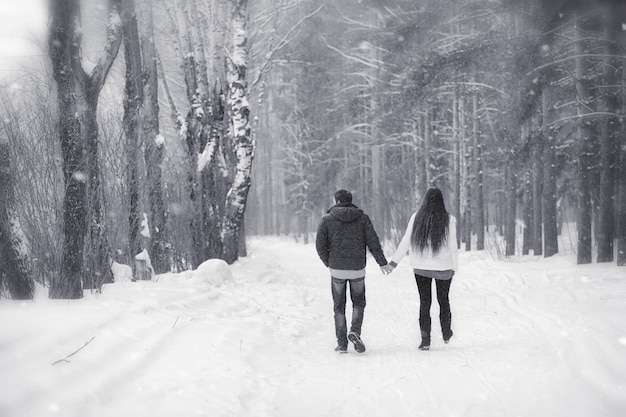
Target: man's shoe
[
  {"x": 425, "y": 345},
  {"x": 447, "y": 336},
  {"x": 359, "y": 346},
  {"x": 341, "y": 348}
]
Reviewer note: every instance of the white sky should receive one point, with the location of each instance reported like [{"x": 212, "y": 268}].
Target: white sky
[{"x": 22, "y": 33}]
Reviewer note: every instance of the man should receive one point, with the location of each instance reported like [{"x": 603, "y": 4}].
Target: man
[{"x": 342, "y": 238}]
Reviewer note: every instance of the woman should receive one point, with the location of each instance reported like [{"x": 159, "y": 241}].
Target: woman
[{"x": 430, "y": 238}]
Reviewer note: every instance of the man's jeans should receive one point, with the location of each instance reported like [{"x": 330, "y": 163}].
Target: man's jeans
[
  {"x": 357, "y": 294},
  {"x": 424, "y": 286}
]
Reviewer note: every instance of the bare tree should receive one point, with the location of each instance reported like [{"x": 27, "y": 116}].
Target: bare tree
[
  {"x": 621, "y": 157},
  {"x": 79, "y": 85},
  {"x": 28, "y": 121},
  {"x": 537, "y": 192},
  {"x": 14, "y": 274},
  {"x": 154, "y": 144},
  {"x": 585, "y": 131},
  {"x": 527, "y": 213},
  {"x": 609, "y": 134},
  {"x": 549, "y": 177},
  {"x": 511, "y": 208},
  {"x": 479, "y": 188},
  {"x": 141, "y": 128},
  {"x": 133, "y": 102}
]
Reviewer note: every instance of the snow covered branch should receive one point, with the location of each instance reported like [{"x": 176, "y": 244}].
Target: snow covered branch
[{"x": 99, "y": 71}]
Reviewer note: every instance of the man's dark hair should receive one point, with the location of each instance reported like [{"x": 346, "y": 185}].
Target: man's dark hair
[{"x": 343, "y": 196}]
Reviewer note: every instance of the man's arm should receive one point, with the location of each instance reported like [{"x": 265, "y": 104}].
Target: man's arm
[
  {"x": 321, "y": 242},
  {"x": 372, "y": 241}
]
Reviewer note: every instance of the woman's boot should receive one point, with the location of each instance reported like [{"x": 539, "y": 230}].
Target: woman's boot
[{"x": 425, "y": 345}]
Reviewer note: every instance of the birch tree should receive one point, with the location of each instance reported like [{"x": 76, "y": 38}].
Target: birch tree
[
  {"x": 216, "y": 128},
  {"x": 243, "y": 143},
  {"x": 202, "y": 126}
]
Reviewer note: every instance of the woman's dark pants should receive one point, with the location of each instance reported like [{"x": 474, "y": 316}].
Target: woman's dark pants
[
  {"x": 424, "y": 287},
  {"x": 357, "y": 294}
]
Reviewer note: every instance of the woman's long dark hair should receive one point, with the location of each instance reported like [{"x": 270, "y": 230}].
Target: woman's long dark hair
[{"x": 431, "y": 223}]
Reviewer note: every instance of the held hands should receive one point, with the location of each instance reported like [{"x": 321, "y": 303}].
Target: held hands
[{"x": 387, "y": 269}]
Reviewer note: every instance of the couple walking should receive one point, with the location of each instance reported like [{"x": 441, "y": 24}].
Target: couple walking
[{"x": 345, "y": 233}]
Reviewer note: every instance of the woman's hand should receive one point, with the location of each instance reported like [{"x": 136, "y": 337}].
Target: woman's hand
[{"x": 387, "y": 269}]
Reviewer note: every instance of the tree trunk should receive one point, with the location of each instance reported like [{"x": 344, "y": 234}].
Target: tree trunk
[
  {"x": 528, "y": 214},
  {"x": 204, "y": 136},
  {"x": 378, "y": 195},
  {"x": 195, "y": 134},
  {"x": 98, "y": 256},
  {"x": 78, "y": 93},
  {"x": 585, "y": 132},
  {"x": 420, "y": 159},
  {"x": 621, "y": 158},
  {"x": 511, "y": 201},
  {"x": 62, "y": 49},
  {"x": 243, "y": 144},
  {"x": 13, "y": 258},
  {"x": 133, "y": 100},
  {"x": 428, "y": 176},
  {"x": 549, "y": 175},
  {"x": 467, "y": 160},
  {"x": 154, "y": 145},
  {"x": 457, "y": 165},
  {"x": 538, "y": 181},
  {"x": 609, "y": 138},
  {"x": 190, "y": 132},
  {"x": 478, "y": 172}
]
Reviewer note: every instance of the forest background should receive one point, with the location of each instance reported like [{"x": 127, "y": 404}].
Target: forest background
[{"x": 179, "y": 127}]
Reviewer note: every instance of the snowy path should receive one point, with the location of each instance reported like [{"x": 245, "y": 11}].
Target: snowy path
[{"x": 532, "y": 338}]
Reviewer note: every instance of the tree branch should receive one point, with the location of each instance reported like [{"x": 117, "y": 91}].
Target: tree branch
[
  {"x": 111, "y": 46},
  {"x": 283, "y": 42},
  {"x": 74, "y": 353}
]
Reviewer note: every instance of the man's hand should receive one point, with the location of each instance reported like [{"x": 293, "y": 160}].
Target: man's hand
[{"x": 387, "y": 269}]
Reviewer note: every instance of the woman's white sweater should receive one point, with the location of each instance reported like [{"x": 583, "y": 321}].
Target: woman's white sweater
[{"x": 447, "y": 257}]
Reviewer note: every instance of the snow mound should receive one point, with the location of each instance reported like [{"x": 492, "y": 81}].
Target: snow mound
[
  {"x": 214, "y": 272},
  {"x": 121, "y": 272}
]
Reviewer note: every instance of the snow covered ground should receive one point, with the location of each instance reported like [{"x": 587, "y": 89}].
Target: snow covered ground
[{"x": 533, "y": 337}]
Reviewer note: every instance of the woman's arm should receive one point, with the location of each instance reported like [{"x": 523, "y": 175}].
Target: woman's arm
[{"x": 453, "y": 244}]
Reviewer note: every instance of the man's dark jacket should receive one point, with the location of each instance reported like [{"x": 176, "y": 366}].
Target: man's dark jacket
[{"x": 343, "y": 236}]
